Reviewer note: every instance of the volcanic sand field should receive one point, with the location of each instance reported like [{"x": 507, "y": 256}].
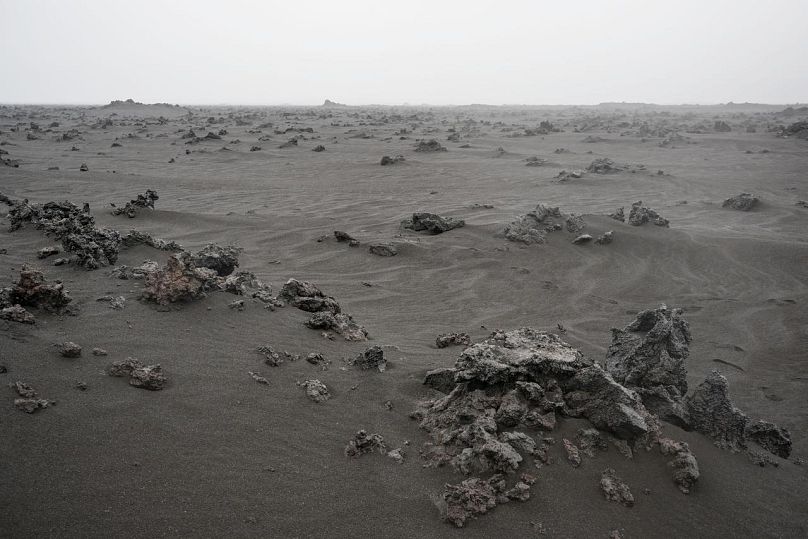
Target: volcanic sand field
[{"x": 216, "y": 453}]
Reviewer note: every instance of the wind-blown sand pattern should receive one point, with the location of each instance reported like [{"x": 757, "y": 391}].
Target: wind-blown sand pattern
[{"x": 202, "y": 376}]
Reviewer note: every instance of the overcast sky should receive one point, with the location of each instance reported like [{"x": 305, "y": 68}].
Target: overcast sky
[{"x": 435, "y": 51}]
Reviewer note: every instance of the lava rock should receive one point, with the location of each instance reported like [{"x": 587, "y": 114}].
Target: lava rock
[
  {"x": 431, "y": 223},
  {"x": 383, "y": 249},
  {"x": 372, "y": 358},
  {"x": 315, "y": 390},
  {"x": 741, "y": 202},
  {"x": 615, "y": 489},
  {"x": 70, "y": 350},
  {"x": 452, "y": 339}
]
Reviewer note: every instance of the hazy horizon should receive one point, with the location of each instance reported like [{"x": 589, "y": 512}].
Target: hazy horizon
[{"x": 365, "y": 53}]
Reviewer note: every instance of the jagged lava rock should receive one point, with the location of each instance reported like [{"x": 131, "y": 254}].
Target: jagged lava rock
[
  {"x": 150, "y": 377},
  {"x": 315, "y": 390},
  {"x": 180, "y": 280},
  {"x": 145, "y": 200},
  {"x": 340, "y": 323},
  {"x": 711, "y": 412},
  {"x": 452, "y": 339},
  {"x": 223, "y": 260},
  {"x": 33, "y": 290},
  {"x": 363, "y": 443},
  {"x": 307, "y": 297},
  {"x": 684, "y": 465},
  {"x": 639, "y": 215},
  {"x": 615, "y": 489},
  {"x": 532, "y": 227},
  {"x": 648, "y": 356},
  {"x": 431, "y": 223},
  {"x": 372, "y": 358}
]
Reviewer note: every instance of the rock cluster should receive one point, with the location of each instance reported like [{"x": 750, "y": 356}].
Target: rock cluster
[
  {"x": 327, "y": 315},
  {"x": 476, "y": 496},
  {"x": 178, "y": 281},
  {"x": 431, "y": 223},
  {"x": 534, "y": 225},
  {"x": 524, "y": 380},
  {"x": 222, "y": 260},
  {"x": 74, "y": 226},
  {"x": 363, "y": 443},
  {"x": 639, "y": 215},
  {"x": 452, "y": 339},
  {"x": 648, "y": 356},
  {"x": 32, "y": 290},
  {"x": 187, "y": 277},
  {"x": 315, "y": 390},
  {"x": 28, "y": 401},
  {"x": 372, "y": 358},
  {"x": 149, "y": 377},
  {"x": 145, "y": 200}
]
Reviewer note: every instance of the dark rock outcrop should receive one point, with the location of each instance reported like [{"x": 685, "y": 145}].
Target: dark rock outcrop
[
  {"x": 222, "y": 260},
  {"x": 363, "y": 443},
  {"x": 74, "y": 226},
  {"x": 648, "y": 356},
  {"x": 640, "y": 215},
  {"x": 387, "y": 160},
  {"x": 533, "y": 226},
  {"x": 431, "y": 223},
  {"x": 32, "y": 290},
  {"x": 372, "y": 358},
  {"x": 476, "y": 496},
  {"x": 328, "y": 314},
  {"x": 315, "y": 390},
  {"x": 179, "y": 281},
  {"x": 712, "y": 413},
  {"x": 741, "y": 202},
  {"x": 615, "y": 489},
  {"x": 383, "y": 249},
  {"x": 149, "y": 377},
  {"x": 430, "y": 145},
  {"x": 452, "y": 339},
  {"x": 145, "y": 200}
]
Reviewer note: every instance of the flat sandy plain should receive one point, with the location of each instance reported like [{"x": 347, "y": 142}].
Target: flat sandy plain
[{"x": 216, "y": 454}]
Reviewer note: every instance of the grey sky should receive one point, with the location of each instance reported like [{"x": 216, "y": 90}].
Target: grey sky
[{"x": 438, "y": 52}]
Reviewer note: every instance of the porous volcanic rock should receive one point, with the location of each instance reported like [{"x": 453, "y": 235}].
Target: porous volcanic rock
[
  {"x": 452, "y": 339},
  {"x": 431, "y": 223},
  {"x": 533, "y": 226},
  {"x": 639, "y": 215},
  {"x": 648, "y": 356},
  {"x": 144, "y": 200}
]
